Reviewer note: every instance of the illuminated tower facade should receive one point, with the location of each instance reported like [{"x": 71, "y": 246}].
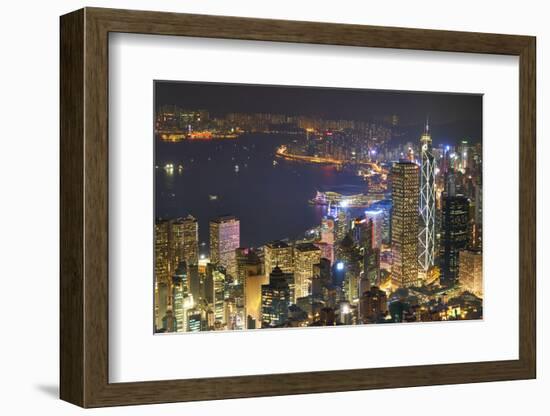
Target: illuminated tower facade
[
  {"x": 162, "y": 258},
  {"x": 224, "y": 240},
  {"x": 190, "y": 241},
  {"x": 305, "y": 256},
  {"x": 426, "y": 236},
  {"x": 181, "y": 300},
  {"x": 454, "y": 234},
  {"x": 471, "y": 271},
  {"x": 278, "y": 253},
  {"x": 275, "y": 299},
  {"x": 405, "y": 194},
  {"x": 377, "y": 218}
]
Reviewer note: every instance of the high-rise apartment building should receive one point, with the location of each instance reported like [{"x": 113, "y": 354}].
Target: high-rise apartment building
[
  {"x": 405, "y": 198},
  {"x": 455, "y": 234},
  {"x": 224, "y": 240},
  {"x": 275, "y": 299},
  {"x": 470, "y": 275},
  {"x": 162, "y": 252},
  {"x": 185, "y": 234},
  {"x": 278, "y": 253},
  {"x": 305, "y": 256},
  {"x": 377, "y": 218}
]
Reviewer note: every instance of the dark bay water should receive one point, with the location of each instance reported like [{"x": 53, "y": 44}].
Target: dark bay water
[{"x": 270, "y": 200}]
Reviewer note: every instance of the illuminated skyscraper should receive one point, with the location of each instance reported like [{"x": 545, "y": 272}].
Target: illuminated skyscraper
[
  {"x": 478, "y": 215},
  {"x": 278, "y": 253},
  {"x": 224, "y": 240},
  {"x": 426, "y": 236},
  {"x": 248, "y": 264},
  {"x": 275, "y": 299},
  {"x": 249, "y": 274},
  {"x": 364, "y": 232},
  {"x": 162, "y": 258},
  {"x": 471, "y": 271},
  {"x": 194, "y": 320},
  {"x": 179, "y": 290},
  {"x": 235, "y": 314},
  {"x": 219, "y": 295},
  {"x": 342, "y": 226},
  {"x": 253, "y": 297},
  {"x": 384, "y": 207},
  {"x": 454, "y": 234},
  {"x": 186, "y": 238},
  {"x": 162, "y": 299},
  {"x": 361, "y": 231},
  {"x": 179, "y": 295},
  {"x": 405, "y": 195},
  {"x": 328, "y": 232},
  {"x": 377, "y": 218},
  {"x": 464, "y": 155},
  {"x": 305, "y": 256},
  {"x": 348, "y": 267}
]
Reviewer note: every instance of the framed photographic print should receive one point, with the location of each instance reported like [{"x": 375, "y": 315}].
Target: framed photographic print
[{"x": 257, "y": 207}]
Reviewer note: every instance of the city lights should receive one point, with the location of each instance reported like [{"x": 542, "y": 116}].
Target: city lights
[{"x": 312, "y": 208}]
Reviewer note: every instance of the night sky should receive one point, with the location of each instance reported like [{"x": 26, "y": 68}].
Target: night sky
[{"x": 455, "y": 115}]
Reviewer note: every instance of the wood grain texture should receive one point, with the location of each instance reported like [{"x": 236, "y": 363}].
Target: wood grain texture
[
  {"x": 527, "y": 208},
  {"x": 84, "y": 207},
  {"x": 71, "y": 100}
]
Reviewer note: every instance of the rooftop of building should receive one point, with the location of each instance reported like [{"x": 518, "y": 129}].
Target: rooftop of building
[
  {"x": 307, "y": 247},
  {"x": 224, "y": 218},
  {"x": 188, "y": 218},
  {"x": 277, "y": 244}
]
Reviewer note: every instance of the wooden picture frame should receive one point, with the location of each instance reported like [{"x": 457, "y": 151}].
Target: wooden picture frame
[{"x": 84, "y": 207}]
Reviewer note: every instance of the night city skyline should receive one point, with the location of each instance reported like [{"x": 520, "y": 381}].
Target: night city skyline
[
  {"x": 444, "y": 109},
  {"x": 282, "y": 206}
]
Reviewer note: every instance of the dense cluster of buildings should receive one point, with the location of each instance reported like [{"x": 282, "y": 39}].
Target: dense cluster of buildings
[
  {"x": 175, "y": 124},
  {"x": 414, "y": 256}
]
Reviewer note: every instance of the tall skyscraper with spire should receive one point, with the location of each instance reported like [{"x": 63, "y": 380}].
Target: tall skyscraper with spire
[{"x": 426, "y": 235}]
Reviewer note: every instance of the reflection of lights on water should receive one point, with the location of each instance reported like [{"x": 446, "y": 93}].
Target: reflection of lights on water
[{"x": 169, "y": 168}]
